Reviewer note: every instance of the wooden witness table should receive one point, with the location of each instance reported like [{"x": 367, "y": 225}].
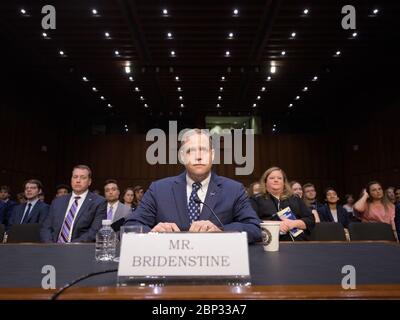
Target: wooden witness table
[{"x": 298, "y": 271}]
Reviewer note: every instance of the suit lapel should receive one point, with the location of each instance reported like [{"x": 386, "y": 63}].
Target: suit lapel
[
  {"x": 63, "y": 209},
  {"x": 118, "y": 212},
  {"x": 180, "y": 197},
  {"x": 83, "y": 208},
  {"x": 33, "y": 212},
  {"x": 211, "y": 197}
]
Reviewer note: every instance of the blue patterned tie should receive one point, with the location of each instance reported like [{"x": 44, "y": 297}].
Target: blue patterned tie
[
  {"x": 194, "y": 207},
  {"x": 67, "y": 225}
]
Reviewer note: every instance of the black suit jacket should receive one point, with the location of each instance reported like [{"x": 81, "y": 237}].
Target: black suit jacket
[
  {"x": 5, "y": 211},
  {"x": 266, "y": 208},
  {"x": 397, "y": 220},
  {"x": 38, "y": 214},
  {"x": 87, "y": 222},
  {"x": 326, "y": 216}
]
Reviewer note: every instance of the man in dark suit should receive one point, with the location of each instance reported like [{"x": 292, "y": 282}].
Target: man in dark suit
[
  {"x": 34, "y": 210},
  {"x": 397, "y": 220},
  {"x": 77, "y": 216},
  {"x": 172, "y": 204},
  {"x": 6, "y": 205}
]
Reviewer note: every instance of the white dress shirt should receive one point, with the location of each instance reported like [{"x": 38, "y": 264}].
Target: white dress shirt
[
  {"x": 80, "y": 202},
  {"x": 334, "y": 215},
  {"x": 114, "y": 208},
  {"x": 202, "y": 192}
]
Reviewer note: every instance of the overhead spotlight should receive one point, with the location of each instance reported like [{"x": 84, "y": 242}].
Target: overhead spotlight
[
  {"x": 223, "y": 78},
  {"x": 263, "y": 89},
  {"x": 293, "y": 35},
  {"x": 305, "y": 89},
  {"x": 337, "y": 53},
  {"x": 375, "y": 11},
  {"x": 219, "y": 98},
  {"x": 116, "y": 52},
  {"x": 254, "y": 105},
  {"x": 315, "y": 78},
  {"x": 230, "y": 35},
  {"x": 269, "y": 78},
  {"x": 258, "y": 97},
  {"x": 141, "y": 98},
  {"x": 146, "y": 105},
  {"x": 62, "y": 53},
  {"x": 94, "y": 89},
  {"x": 165, "y": 12},
  {"x": 227, "y": 54},
  {"x": 109, "y": 105},
  {"x": 44, "y": 34},
  {"x": 102, "y": 98},
  {"x": 218, "y": 105},
  {"x": 235, "y": 12},
  {"x": 94, "y": 11},
  {"x": 272, "y": 69},
  {"x": 180, "y": 98},
  {"x": 85, "y": 79},
  {"x": 182, "y": 105},
  {"x": 127, "y": 69},
  {"x": 283, "y": 53},
  {"x": 137, "y": 89},
  {"x": 221, "y": 89},
  {"x": 177, "y": 78},
  {"x": 273, "y": 129},
  {"x": 290, "y": 105},
  {"x": 306, "y": 11},
  {"x": 179, "y": 89},
  {"x": 107, "y": 34},
  {"x": 23, "y": 11},
  {"x": 173, "y": 53},
  {"x": 297, "y": 98},
  {"x": 354, "y": 34},
  {"x": 169, "y": 35},
  {"x": 130, "y": 78}
]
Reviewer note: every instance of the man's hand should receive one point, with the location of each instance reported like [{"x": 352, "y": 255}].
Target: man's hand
[
  {"x": 204, "y": 226},
  {"x": 165, "y": 227}
]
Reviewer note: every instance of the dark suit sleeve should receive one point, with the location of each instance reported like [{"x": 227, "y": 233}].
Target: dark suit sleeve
[
  {"x": 145, "y": 214},
  {"x": 305, "y": 215},
  {"x": 11, "y": 219},
  {"x": 47, "y": 231},
  {"x": 397, "y": 221},
  {"x": 244, "y": 217},
  {"x": 44, "y": 212},
  {"x": 99, "y": 215}
]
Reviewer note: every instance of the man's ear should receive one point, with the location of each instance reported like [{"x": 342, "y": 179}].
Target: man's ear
[
  {"x": 90, "y": 181},
  {"x": 212, "y": 154}
]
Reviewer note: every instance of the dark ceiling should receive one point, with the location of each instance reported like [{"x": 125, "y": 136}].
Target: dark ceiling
[{"x": 200, "y": 37}]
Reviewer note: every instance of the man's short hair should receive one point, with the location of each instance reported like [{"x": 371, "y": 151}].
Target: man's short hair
[
  {"x": 34, "y": 181},
  {"x": 5, "y": 189},
  {"x": 108, "y": 181},
  {"x": 308, "y": 185},
  {"x": 329, "y": 189},
  {"x": 83, "y": 167},
  {"x": 192, "y": 132},
  {"x": 62, "y": 186}
]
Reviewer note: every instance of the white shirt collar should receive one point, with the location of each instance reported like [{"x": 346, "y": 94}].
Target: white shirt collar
[
  {"x": 83, "y": 195},
  {"x": 204, "y": 183},
  {"x": 33, "y": 202}
]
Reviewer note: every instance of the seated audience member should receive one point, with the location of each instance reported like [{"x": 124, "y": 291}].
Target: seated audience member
[
  {"x": 254, "y": 189},
  {"x": 389, "y": 193},
  {"x": 276, "y": 195},
  {"x": 174, "y": 204},
  {"x": 331, "y": 211},
  {"x": 77, "y": 216},
  {"x": 115, "y": 209},
  {"x": 21, "y": 198},
  {"x": 6, "y": 204},
  {"x": 397, "y": 220},
  {"x": 34, "y": 210},
  {"x": 349, "y": 203},
  {"x": 62, "y": 190},
  {"x": 310, "y": 199},
  {"x": 127, "y": 197},
  {"x": 373, "y": 206},
  {"x": 397, "y": 195},
  {"x": 138, "y": 193},
  {"x": 297, "y": 190}
]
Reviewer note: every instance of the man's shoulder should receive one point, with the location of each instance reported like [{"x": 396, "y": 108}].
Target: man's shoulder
[
  {"x": 42, "y": 204},
  {"x": 227, "y": 182},
  {"x": 95, "y": 197}
]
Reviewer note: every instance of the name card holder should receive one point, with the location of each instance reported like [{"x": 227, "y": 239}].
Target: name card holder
[{"x": 184, "y": 258}]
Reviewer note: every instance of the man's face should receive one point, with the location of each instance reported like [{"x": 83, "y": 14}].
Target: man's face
[
  {"x": 331, "y": 197},
  {"x": 61, "y": 192},
  {"x": 197, "y": 156},
  {"x": 80, "y": 180},
  {"x": 4, "y": 195},
  {"x": 310, "y": 193},
  {"x": 111, "y": 192},
  {"x": 31, "y": 191},
  {"x": 397, "y": 194}
]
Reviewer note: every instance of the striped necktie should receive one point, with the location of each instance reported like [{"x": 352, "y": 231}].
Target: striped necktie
[
  {"x": 26, "y": 213},
  {"x": 110, "y": 213},
  {"x": 67, "y": 225}
]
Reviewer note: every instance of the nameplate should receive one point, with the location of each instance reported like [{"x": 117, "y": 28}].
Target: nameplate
[{"x": 184, "y": 254}]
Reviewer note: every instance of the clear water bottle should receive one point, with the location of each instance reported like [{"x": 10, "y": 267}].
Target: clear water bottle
[{"x": 106, "y": 242}]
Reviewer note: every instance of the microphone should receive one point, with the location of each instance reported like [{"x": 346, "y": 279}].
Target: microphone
[{"x": 197, "y": 200}]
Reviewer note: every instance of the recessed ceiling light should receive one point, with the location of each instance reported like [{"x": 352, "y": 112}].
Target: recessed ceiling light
[
  {"x": 116, "y": 52},
  {"x": 146, "y": 105},
  {"x": 219, "y": 98},
  {"x": 85, "y": 79},
  {"x": 44, "y": 34},
  {"x": 221, "y": 89},
  {"x": 283, "y": 53},
  {"x": 182, "y": 105},
  {"x": 180, "y": 98},
  {"x": 107, "y": 34},
  {"x": 169, "y": 35},
  {"x": 235, "y": 12},
  {"x": 337, "y": 53},
  {"x": 293, "y": 34},
  {"x": 94, "y": 11},
  {"x": 173, "y": 53},
  {"x": 130, "y": 78},
  {"x": 179, "y": 89},
  {"x": 315, "y": 78},
  {"x": 222, "y": 78},
  {"x": 306, "y": 11},
  {"x": 177, "y": 78},
  {"x": 263, "y": 89},
  {"x": 137, "y": 89},
  {"x": 127, "y": 69},
  {"x": 230, "y": 35},
  {"x": 254, "y": 105},
  {"x": 258, "y": 97},
  {"x": 61, "y": 53},
  {"x": 290, "y": 105},
  {"x": 272, "y": 69},
  {"x": 109, "y": 105},
  {"x": 165, "y": 12},
  {"x": 354, "y": 34},
  {"x": 23, "y": 11},
  {"x": 297, "y": 97},
  {"x": 305, "y": 89},
  {"x": 375, "y": 11},
  {"x": 141, "y": 98},
  {"x": 227, "y": 53},
  {"x": 102, "y": 98},
  {"x": 218, "y": 105},
  {"x": 94, "y": 89},
  {"x": 269, "y": 78}
]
